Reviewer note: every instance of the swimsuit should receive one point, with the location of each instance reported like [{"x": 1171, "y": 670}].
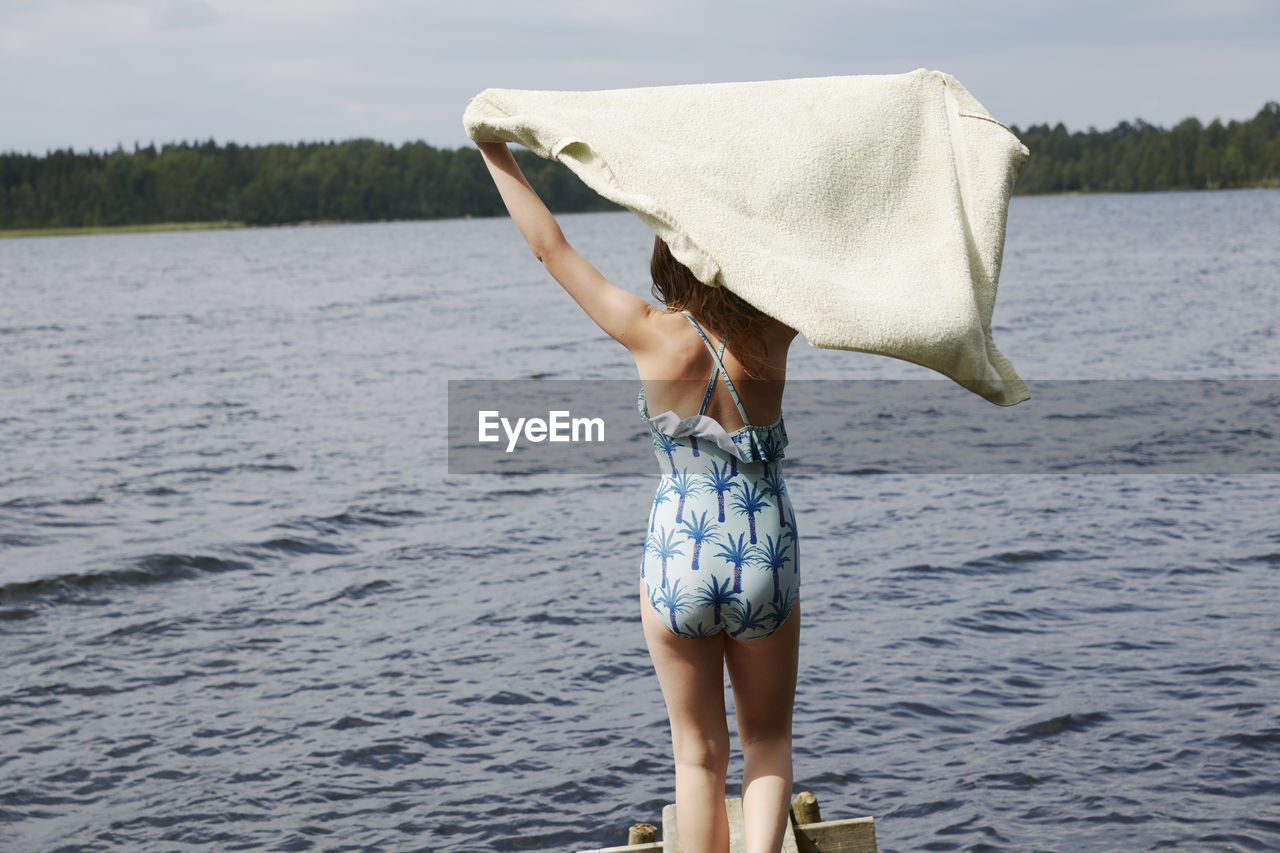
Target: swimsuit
[{"x": 722, "y": 551}]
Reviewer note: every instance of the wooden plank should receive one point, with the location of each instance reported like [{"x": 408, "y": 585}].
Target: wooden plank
[
  {"x": 670, "y": 830},
  {"x": 737, "y": 835},
  {"x": 838, "y": 836},
  {"x": 652, "y": 847},
  {"x": 789, "y": 842}
]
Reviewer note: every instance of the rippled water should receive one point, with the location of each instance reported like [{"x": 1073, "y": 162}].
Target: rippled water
[{"x": 244, "y": 607}]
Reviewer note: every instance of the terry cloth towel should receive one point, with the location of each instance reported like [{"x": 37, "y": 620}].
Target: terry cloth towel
[{"x": 867, "y": 212}]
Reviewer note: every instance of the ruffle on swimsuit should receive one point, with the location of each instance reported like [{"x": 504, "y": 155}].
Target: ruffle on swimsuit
[{"x": 750, "y": 443}]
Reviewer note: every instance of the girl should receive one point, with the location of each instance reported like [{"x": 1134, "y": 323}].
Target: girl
[{"x": 703, "y": 609}]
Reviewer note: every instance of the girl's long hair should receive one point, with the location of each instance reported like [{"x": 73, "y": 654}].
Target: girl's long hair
[{"x": 725, "y": 313}]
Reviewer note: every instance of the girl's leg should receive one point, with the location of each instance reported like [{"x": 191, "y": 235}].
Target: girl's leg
[
  {"x": 691, "y": 672},
  {"x": 763, "y": 674}
]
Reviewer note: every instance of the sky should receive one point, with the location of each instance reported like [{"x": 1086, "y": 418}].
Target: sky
[{"x": 94, "y": 74}]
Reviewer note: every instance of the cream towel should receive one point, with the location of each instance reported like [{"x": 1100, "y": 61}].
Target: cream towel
[{"x": 866, "y": 212}]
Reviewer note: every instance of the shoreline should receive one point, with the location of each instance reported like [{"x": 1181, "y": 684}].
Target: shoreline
[
  {"x": 79, "y": 230},
  {"x": 1265, "y": 185}
]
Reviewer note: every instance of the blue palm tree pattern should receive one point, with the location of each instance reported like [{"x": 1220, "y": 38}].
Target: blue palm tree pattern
[
  {"x": 699, "y": 530},
  {"x": 683, "y": 485},
  {"x": 738, "y": 554},
  {"x": 781, "y": 607},
  {"x": 774, "y": 487},
  {"x": 672, "y": 599},
  {"x": 749, "y": 618},
  {"x": 719, "y": 480},
  {"x": 773, "y": 556},
  {"x": 664, "y": 493},
  {"x": 699, "y": 630},
  {"x": 664, "y": 547},
  {"x": 665, "y": 444},
  {"x": 748, "y": 502},
  {"x": 715, "y": 594},
  {"x": 772, "y": 443},
  {"x": 795, "y": 542},
  {"x": 704, "y": 567}
]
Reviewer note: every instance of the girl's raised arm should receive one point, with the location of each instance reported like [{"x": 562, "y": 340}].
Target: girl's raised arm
[{"x": 622, "y": 315}]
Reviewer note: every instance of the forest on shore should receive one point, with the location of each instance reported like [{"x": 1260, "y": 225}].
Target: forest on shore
[{"x": 363, "y": 180}]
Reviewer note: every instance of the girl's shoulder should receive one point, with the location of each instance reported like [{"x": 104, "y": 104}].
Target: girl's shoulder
[{"x": 679, "y": 353}]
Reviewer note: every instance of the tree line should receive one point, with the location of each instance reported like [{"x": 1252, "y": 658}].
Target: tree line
[
  {"x": 364, "y": 180},
  {"x": 1138, "y": 157},
  {"x": 359, "y": 180}
]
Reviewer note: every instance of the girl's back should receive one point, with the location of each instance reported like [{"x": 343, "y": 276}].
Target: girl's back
[{"x": 722, "y": 548}]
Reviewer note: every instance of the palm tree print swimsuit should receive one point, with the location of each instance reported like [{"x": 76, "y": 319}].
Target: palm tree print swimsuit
[{"x": 722, "y": 551}]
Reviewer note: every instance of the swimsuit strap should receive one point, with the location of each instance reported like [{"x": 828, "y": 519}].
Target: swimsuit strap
[
  {"x": 711, "y": 383},
  {"x": 719, "y": 369}
]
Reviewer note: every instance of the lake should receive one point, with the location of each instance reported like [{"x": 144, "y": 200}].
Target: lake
[{"x": 244, "y": 604}]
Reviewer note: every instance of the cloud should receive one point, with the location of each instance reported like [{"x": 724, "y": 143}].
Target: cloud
[
  {"x": 185, "y": 14},
  {"x": 100, "y": 72}
]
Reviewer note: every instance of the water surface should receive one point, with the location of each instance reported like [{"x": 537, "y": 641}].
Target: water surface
[{"x": 243, "y": 606}]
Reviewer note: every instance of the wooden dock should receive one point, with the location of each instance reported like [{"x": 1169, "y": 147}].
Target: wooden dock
[{"x": 806, "y": 832}]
